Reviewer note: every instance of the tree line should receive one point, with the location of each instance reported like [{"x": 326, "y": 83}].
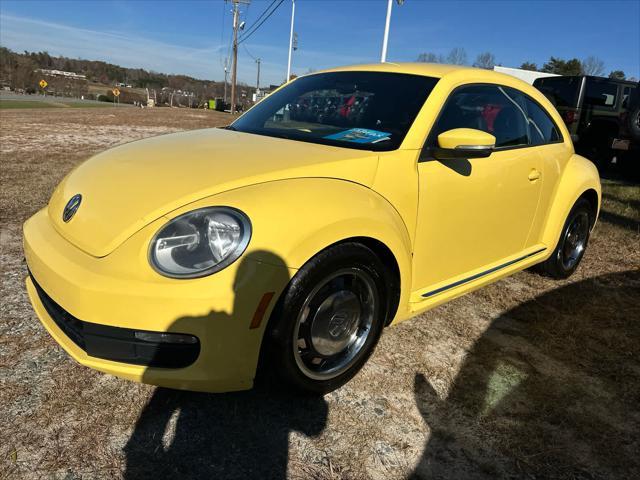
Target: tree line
[
  {"x": 19, "y": 71},
  {"x": 589, "y": 66}
]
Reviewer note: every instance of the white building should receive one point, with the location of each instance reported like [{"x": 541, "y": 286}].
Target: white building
[{"x": 60, "y": 73}]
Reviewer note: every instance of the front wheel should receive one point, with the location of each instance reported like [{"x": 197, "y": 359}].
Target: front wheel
[
  {"x": 572, "y": 244},
  {"x": 329, "y": 319}
]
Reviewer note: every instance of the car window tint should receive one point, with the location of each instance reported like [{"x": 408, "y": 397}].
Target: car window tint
[
  {"x": 541, "y": 128},
  {"x": 600, "y": 93},
  {"x": 492, "y": 109}
]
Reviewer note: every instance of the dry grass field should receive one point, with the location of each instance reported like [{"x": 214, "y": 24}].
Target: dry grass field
[{"x": 527, "y": 378}]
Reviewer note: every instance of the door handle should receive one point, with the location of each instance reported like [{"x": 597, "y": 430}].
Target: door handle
[{"x": 534, "y": 175}]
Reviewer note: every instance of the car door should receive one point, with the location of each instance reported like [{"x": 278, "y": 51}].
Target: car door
[{"x": 474, "y": 214}]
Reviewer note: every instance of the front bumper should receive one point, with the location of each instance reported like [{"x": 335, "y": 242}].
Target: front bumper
[
  {"x": 121, "y": 294},
  {"x": 138, "y": 347}
]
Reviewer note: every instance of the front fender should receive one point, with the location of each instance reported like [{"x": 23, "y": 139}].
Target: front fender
[
  {"x": 579, "y": 175},
  {"x": 295, "y": 219}
]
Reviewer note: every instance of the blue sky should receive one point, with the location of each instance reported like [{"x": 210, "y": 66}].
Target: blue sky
[{"x": 192, "y": 37}]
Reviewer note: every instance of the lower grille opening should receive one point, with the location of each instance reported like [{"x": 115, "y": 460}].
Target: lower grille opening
[{"x": 138, "y": 347}]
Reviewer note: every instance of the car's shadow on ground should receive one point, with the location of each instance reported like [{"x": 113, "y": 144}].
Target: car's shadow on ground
[
  {"x": 182, "y": 435},
  {"x": 551, "y": 390}
]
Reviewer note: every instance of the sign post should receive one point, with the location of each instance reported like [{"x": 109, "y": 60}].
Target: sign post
[
  {"x": 43, "y": 84},
  {"x": 116, "y": 94}
]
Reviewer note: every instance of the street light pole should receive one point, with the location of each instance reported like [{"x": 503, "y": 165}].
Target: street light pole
[
  {"x": 293, "y": 14},
  {"x": 385, "y": 40}
]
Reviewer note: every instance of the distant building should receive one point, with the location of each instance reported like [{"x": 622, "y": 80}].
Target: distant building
[
  {"x": 527, "y": 75},
  {"x": 60, "y": 73}
]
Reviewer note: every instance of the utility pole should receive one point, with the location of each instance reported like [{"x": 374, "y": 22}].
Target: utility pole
[
  {"x": 258, "y": 79},
  {"x": 234, "y": 69},
  {"x": 293, "y": 14},
  {"x": 385, "y": 40}
]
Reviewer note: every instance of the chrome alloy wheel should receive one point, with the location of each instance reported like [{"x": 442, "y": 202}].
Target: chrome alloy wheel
[
  {"x": 575, "y": 240},
  {"x": 334, "y": 323}
]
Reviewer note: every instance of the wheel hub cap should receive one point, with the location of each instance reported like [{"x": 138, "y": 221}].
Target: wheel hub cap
[
  {"x": 575, "y": 240},
  {"x": 335, "y": 323}
]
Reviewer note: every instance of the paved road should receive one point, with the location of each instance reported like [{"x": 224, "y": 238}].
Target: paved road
[{"x": 7, "y": 95}]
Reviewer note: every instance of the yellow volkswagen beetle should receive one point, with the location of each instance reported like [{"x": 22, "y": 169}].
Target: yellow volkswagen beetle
[{"x": 344, "y": 202}]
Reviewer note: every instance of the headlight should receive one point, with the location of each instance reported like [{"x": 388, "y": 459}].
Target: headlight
[{"x": 200, "y": 243}]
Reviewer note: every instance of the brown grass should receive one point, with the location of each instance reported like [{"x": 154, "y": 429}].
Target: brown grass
[{"x": 528, "y": 377}]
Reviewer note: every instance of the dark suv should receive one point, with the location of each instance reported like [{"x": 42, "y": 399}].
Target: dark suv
[{"x": 602, "y": 115}]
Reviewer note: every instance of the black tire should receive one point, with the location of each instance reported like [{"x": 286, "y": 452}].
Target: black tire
[
  {"x": 284, "y": 329},
  {"x": 558, "y": 264},
  {"x": 633, "y": 122}
]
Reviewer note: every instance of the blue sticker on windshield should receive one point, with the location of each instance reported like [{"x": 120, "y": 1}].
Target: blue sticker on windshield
[{"x": 360, "y": 135}]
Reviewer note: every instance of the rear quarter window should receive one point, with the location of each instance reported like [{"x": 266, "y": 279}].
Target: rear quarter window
[{"x": 542, "y": 129}]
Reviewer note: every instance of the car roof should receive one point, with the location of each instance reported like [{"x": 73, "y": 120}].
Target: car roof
[
  {"x": 589, "y": 77},
  {"x": 437, "y": 70}
]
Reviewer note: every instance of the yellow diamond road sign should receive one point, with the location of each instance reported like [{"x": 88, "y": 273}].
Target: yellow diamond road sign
[
  {"x": 43, "y": 84},
  {"x": 116, "y": 92}
]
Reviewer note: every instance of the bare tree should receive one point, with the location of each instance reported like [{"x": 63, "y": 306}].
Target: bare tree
[
  {"x": 457, "y": 56},
  {"x": 593, "y": 66},
  {"x": 485, "y": 60},
  {"x": 430, "y": 57}
]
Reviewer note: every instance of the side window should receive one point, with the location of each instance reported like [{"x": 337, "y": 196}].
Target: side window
[
  {"x": 600, "y": 93},
  {"x": 491, "y": 108},
  {"x": 541, "y": 128},
  {"x": 627, "y": 93}
]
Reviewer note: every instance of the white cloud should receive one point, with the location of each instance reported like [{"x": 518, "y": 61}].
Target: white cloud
[{"x": 22, "y": 33}]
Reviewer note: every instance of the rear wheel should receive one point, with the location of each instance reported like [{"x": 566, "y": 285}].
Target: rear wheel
[
  {"x": 329, "y": 320},
  {"x": 572, "y": 244}
]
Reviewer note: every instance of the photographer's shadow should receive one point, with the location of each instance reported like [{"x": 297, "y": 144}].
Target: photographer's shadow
[
  {"x": 184, "y": 435},
  {"x": 549, "y": 390}
]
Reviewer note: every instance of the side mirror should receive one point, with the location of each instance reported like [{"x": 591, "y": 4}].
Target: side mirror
[{"x": 464, "y": 143}]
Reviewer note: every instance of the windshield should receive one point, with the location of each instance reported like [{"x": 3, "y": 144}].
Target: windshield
[{"x": 365, "y": 110}]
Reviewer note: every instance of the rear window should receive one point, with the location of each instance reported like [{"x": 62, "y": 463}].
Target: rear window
[
  {"x": 561, "y": 91},
  {"x": 600, "y": 93},
  {"x": 362, "y": 110}
]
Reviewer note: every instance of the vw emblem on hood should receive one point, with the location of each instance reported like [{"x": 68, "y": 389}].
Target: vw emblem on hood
[{"x": 71, "y": 207}]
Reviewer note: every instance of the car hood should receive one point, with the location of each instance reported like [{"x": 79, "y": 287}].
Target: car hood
[{"x": 130, "y": 186}]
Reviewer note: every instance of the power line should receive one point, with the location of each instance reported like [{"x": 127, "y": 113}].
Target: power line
[
  {"x": 261, "y": 15},
  {"x": 248, "y": 52},
  {"x": 257, "y": 25},
  {"x": 248, "y": 34}
]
